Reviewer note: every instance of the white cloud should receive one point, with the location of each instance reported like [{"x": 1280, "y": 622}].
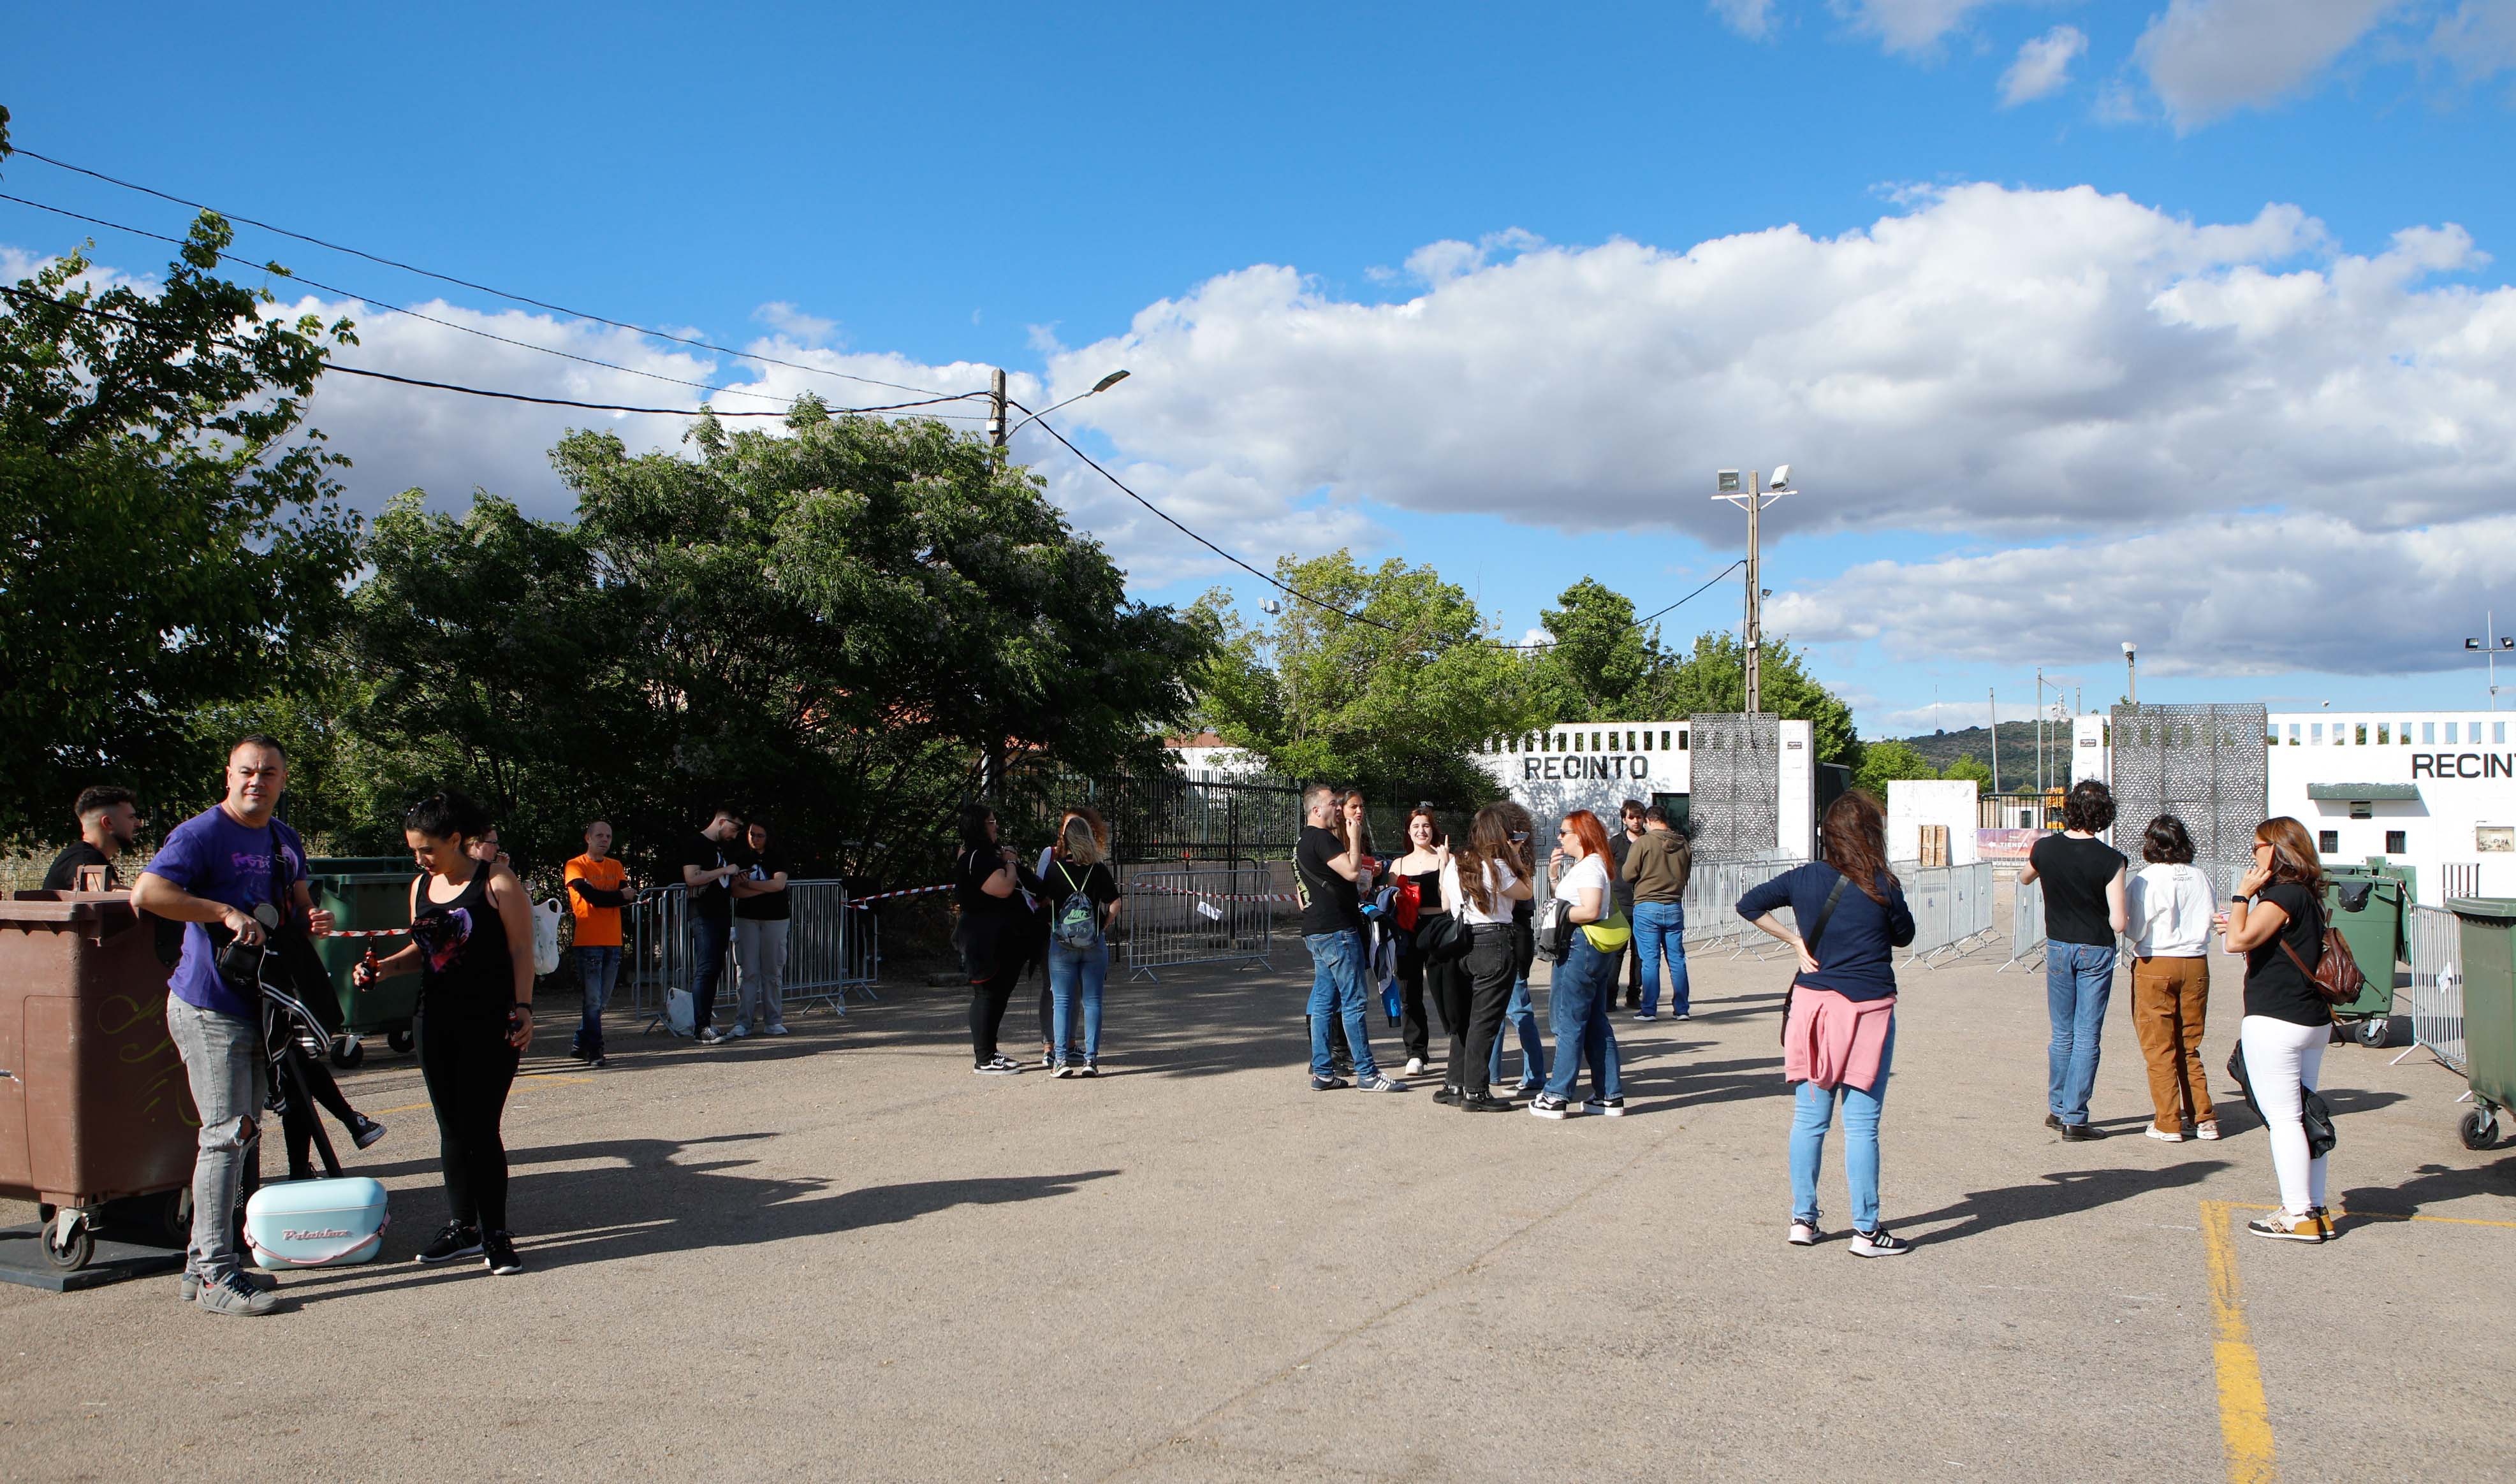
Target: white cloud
[
  {"x": 2207, "y": 59},
  {"x": 2229, "y": 595},
  {"x": 1748, "y": 17},
  {"x": 793, "y": 323},
  {"x": 2043, "y": 65},
  {"x": 2476, "y": 39},
  {"x": 1908, "y": 26}
]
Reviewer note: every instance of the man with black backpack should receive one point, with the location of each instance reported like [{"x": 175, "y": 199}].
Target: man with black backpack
[{"x": 235, "y": 878}]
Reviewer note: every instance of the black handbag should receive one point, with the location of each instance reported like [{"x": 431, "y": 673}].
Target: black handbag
[{"x": 1442, "y": 938}]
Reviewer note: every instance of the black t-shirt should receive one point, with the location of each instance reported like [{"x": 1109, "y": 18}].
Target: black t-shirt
[
  {"x": 62, "y": 874},
  {"x": 1095, "y": 882},
  {"x": 970, "y": 876},
  {"x": 2274, "y": 987},
  {"x": 712, "y": 901},
  {"x": 1329, "y": 902},
  {"x": 768, "y": 906},
  {"x": 1621, "y": 887},
  {"x": 2074, "y": 873}
]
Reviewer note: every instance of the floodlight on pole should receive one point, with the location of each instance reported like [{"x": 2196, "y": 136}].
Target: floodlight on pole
[
  {"x": 1749, "y": 493},
  {"x": 2490, "y": 645},
  {"x": 2131, "y": 677}
]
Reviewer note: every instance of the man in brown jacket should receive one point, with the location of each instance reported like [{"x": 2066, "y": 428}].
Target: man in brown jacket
[{"x": 1657, "y": 867}]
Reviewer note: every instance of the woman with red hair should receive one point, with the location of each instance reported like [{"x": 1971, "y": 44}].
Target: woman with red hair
[{"x": 1578, "y": 1001}]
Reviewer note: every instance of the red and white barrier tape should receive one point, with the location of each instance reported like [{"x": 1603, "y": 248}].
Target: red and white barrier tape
[
  {"x": 883, "y": 897},
  {"x": 1216, "y": 897},
  {"x": 370, "y": 933}
]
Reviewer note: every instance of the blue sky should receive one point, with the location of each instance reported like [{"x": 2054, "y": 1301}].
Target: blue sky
[{"x": 2182, "y": 405}]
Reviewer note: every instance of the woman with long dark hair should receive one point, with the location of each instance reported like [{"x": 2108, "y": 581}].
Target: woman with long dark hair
[
  {"x": 1480, "y": 884},
  {"x": 993, "y": 933},
  {"x": 1521, "y": 1012},
  {"x": 2169, "y": 905},
  {"x": 1584, "y": 988},
  {"x": 1839, "y": 1032},
  {"x": 2275, "y": 919},
  {"x": 1419, "y": 871},
  {"x": 471, "y": 946}
]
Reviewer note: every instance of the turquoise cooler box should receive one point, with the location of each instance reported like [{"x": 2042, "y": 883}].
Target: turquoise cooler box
[{"x": 316, "y": 1223}]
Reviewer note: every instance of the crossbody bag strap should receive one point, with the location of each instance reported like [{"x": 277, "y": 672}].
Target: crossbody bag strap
[
  {"x": 1826, "y": 914},
  {"x": 2320, "y": 945}
]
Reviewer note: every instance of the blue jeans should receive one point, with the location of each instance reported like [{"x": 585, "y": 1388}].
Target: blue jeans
[
  {"x": 1584, "y": 990},
  {"x": 709, "y": 939},
  {"x": 1660, "y": 931},
  {"x": 598, "y": 970},
  {"x": 1522, "y": 1014},
  {"x": 2079, "y": 980},
  {"x": 1338, "y": 993},
  {"x": 1811, "y": 1110},
  {"x": 1069, "y": 970}
]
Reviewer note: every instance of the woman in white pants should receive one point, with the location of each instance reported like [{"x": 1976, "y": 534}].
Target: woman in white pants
[{"x": 2276, "y": 911}]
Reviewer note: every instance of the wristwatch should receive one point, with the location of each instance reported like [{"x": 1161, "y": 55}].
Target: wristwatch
[{"x": 2239, "y": 897}]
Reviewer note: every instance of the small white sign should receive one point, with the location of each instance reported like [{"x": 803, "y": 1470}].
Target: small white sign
[{"x": 1206, "y": 910}]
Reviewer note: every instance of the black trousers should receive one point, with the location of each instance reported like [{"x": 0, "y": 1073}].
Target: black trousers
[
  {"x": 1441, "y": 984},
  {"x": 298, "y": 1120},
  {"x": 987, "y": 1001},
  {"x": 1484, "y": 982},
  {"x": 468, "y": 1065}
]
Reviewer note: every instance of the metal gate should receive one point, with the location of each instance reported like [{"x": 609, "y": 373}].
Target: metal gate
[
  {"x": 2205, "y": 764},
  {"x": 1736, "y": 800}
]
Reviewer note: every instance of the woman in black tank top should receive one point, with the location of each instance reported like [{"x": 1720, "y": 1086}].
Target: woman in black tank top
[
  {"x": 472, "y": 947},
  {"x": 1422, "y": 866}
]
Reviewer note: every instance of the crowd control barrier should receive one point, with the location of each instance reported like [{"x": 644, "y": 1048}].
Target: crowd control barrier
[
  {"x": 1220, "y": 914},
  {"x": 833, "y": 948},
  {"x": 2436, "y": 943},
  {"x": 1952, "y": 908},
  {"x": 2026, "y": 927}
]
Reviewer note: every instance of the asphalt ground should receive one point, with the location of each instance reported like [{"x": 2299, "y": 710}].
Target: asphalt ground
[{"x": 843, "y": 1255}]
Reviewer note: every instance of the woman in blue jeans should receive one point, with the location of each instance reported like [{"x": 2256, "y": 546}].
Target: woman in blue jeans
[
  {"x": 1839, "y": 1034},
  {"x": 1583, "y": 992},
  {"x": 1078, "y": 879}
]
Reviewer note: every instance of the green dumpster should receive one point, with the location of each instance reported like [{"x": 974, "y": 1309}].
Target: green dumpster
[
  {"x": 366, "y": 892},
  {"x": 2365, "y": 902},
  {"x": 2488, "y": 933}
]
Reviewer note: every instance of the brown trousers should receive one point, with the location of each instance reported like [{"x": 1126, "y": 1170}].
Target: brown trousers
[{"x": 2168, "y": 999}]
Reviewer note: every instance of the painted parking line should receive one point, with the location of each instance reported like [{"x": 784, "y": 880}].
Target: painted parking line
[{"x": 2244, "y": 1421}]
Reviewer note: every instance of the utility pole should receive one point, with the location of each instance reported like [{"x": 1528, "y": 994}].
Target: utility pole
[
  {"x": 2040, "y": 731},
  {"x": 1752, "y": 496},
  {"x": 996, "y": 411},
  {"x": 2131, "y": 677},
  {"x": 2489, "y": 644},
  {"x": 1993, "y": 694}
]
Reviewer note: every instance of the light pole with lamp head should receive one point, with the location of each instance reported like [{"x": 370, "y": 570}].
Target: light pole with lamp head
[
  {"x": 2490, "y": 645},
  {"x": 1752, "y": 496},
  {"x": 998, "y": 435},
  {"x": 2131, "y": 675}
]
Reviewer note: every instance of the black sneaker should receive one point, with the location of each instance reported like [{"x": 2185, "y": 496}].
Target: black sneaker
[
  {"x": 1878, "y": 1244},
  {"x": 2081, "y": 1134},
  {"x": 598, "y": 1060},
  {"x": 1000, "y": 1066},
  {"x": 364, "y": 1130},
  {"x": 1483, "y": 1102},
  {"x": 454, "y": 1240},
  {"x": 1449, "y": 1095},
  {"x": 1329, "y": 1083},
  {"x": 1605, "y": 1107},
  {"x": 499, "y": 1249},
  {"x": 1548, "y": 1105},
  {"x": 1090, "y": 1069},
  {"x": 1341, "y": 1067}
]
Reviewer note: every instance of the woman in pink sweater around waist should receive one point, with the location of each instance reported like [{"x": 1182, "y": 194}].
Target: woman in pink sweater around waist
[{"x": 1849, "y": 916}]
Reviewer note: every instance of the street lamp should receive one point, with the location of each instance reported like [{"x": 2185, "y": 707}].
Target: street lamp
[
  {"x": 998, "y": 434},
  {"x": 2131, "y": 677},
  {"x": 1752, "y": 496},
  {"x": 2490, "y": 647}
]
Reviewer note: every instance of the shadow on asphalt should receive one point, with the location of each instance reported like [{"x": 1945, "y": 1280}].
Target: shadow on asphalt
[
  {"x": 2433, "y": 1185},
  {"x": 638, "y": 1201},
  {"x": 2063, "y": 1193}
]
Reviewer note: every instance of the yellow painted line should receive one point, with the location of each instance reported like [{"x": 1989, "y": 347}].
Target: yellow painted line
[
  {"x": 2384, "y": 1215},
  {"x": 2244, "y": 1421},
  {"x": 554, "y": 1078}
]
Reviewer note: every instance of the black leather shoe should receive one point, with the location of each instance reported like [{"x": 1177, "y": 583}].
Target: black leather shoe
[
  {"x": 2053, "y": 1121},
  {"x": 1447, "y": 1095},
  {"x": 2080, "y": 1134},
  {"x": 1483, "y": 1102}
]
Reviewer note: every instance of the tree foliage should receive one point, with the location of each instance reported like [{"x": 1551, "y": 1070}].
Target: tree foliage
[
  {"x": 1392, "y": 699},
  {"x": 1884, "y": 763},
  {"x": 170, "y": 535}
]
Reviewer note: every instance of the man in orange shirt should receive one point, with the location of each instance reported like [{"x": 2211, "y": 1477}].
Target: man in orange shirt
[{"x": 596, "y": 890}]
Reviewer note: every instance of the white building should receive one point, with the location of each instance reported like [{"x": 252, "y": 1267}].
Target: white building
[
  {"x": 1596, "y": 766},
  {"x": 2433, "y": 790}
]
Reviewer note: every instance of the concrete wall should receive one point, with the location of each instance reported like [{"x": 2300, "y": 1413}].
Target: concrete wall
[{"x": 1913, "y": 803}]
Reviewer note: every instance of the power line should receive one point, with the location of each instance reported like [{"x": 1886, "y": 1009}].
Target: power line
[
  {"x": 412, "y": 267},
  {"x": 515, "y": 396},
  {"x": 141, "y": 231}
]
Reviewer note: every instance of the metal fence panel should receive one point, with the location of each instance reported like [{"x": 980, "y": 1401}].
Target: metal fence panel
[
  {"x": 2026, "y": 926},
  {"x": 1952, "y": 908},
  {"x": 832, "y": 946},
  {"x": 2206, "y": 765},
  {"x": 2437, "y": 983},
  {"x": 1735, "y": 808},
  {"x": 1202, "y": 915}
]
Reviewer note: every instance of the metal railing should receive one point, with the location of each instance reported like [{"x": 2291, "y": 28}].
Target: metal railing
[
  {"x": 2436, "y": 939},
  {"x": 1220, "y": 914},
  {"x": 2026, "y": 927},
  {"x": 832, "y": 948},
  {"x": 1952, "y": 908}
]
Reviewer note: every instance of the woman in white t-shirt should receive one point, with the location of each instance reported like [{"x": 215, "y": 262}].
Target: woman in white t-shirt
[
  {"x": 1480, "y": 887},
  {"x": 2168, "y": 908},
  {"x": 1578, "y": 1001}
]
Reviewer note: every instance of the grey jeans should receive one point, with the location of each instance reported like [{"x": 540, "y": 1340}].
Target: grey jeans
[
  {"x": 223, "y": 1061},
  {"x": 760, "y": 954}
]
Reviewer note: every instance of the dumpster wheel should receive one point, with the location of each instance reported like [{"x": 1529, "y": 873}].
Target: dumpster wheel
[
  {"x": 347, "y": 1052},
  {"x": 2375, "y": 1030},
  {"x": 75, "y": 1253},
  {"x": 400, "y": 1040},
  {"x": 2480, "y": 1128}
]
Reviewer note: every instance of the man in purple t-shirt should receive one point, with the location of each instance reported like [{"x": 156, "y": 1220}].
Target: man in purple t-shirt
[{"x": 230, "y": 875}]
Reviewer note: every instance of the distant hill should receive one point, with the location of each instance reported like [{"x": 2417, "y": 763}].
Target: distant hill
[{"x": 2017, "y": 751}]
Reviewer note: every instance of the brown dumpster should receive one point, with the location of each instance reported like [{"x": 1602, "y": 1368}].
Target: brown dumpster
[{"x": 94, "y": 1106}]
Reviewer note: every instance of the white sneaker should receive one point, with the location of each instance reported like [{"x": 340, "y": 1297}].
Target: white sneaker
[
  {"x": 775, "y": 1030},
  {"x": 1804, "y": 1233},
  {"x": 1878, "y": 1244},
  {"x": 2207, "y": 1128},
  {"x": 1415, "y": 1067},
  {"x": 2161, "y": 1136},
  {"x": 713, "y": 1037}
]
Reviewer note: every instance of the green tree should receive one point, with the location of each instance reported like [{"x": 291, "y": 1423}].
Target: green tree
[
  {"x": 169, "y": 535},
  {"x": 1600, "y": 661},
  {"x": 1883, "y": 763},
  {"x": 1969, "y": 765},
  {"x": 1714, "y": 678},
  {"x": 1394, "y": 699}
]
